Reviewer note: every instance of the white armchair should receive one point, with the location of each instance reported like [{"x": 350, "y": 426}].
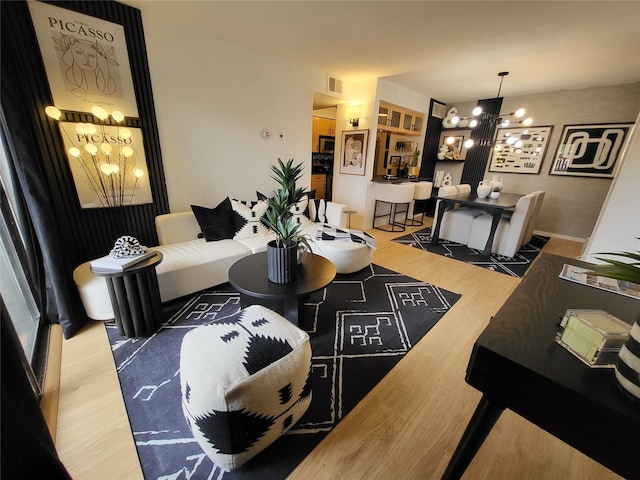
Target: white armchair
[
  {"x": 456, "y": 222},
  {"x": 510, "y": 233}
]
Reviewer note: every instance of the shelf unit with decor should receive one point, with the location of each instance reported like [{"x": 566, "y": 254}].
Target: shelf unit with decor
[{"x": 458, "y": 152}]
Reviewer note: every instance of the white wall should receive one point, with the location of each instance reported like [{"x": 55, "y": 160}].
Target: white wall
[
  {"x": 212, "y": 101},
  {"x": 618, "y": 225},
  {"x": 351, "y": 190},
  {"x": 571, "y": 204},
  {"x": 359, "y": 193}
]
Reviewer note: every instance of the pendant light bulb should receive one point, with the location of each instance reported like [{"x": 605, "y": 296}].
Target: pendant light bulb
[
  {"x": 527, "y": 121},
  {"x": 100, "y": 112},
  {"x": 127, "y": 151},
  {"x": 53, "y": 112},
  {"x": 520, "y": 112},
  {"x": 91, "y": 148},
  {"x": 476, "y": 111},
  {"x": 117, "y": 115}
]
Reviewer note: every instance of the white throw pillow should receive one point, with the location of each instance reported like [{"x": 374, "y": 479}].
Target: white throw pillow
[
  {"x": 318, "y": 211},
  {"x": 247, "y": 217},
  {"x": 298, "y": 211}
]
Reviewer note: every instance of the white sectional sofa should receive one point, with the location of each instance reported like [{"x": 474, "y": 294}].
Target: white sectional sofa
[{"x": 191, "y": 264}]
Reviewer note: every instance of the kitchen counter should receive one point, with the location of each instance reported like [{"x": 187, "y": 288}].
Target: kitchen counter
[{"x": 381, "y": 179}]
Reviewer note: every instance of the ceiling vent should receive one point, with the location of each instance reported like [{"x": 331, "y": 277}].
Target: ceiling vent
[
  {"x": 334, "y": 85},
  {"x": 439, "y": 110}
]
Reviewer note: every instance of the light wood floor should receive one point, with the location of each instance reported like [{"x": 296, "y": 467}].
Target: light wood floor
[{"x": 406, "y": 428}]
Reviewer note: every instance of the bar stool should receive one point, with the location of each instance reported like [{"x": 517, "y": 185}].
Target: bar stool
[
  {"x": 421, "y": 192},
  {"x": 393, "y": 194}
]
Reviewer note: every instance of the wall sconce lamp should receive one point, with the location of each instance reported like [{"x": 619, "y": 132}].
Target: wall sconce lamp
[{"x": 353, "y": 114}]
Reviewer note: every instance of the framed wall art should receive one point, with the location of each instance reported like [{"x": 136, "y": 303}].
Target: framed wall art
[
  {"x": 354, "y": 151},
  {"x": 519, "y": 150},
  {"x": 108, "y": 166},
  {"x": 86, "y": 60},
  {"x": 452, "y": 145},
  {"x": 590, "y": 150}
]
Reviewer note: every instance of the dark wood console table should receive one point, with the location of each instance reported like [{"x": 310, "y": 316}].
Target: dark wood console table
[{"x": 516, "y": 364}]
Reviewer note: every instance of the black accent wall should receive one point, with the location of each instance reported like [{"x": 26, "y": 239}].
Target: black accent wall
[
  {"x": 431, "y": 144},
  {"x": 477, "y": 157},
  {"x": 86, "y": 233}
]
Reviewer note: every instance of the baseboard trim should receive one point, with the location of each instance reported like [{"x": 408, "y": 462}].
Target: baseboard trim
[{"x": 558, "y": 235}]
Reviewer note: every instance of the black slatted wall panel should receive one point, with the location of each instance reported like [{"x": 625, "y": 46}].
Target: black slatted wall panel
[
  {"x": 475, "y": 163},
  {"x": 87, "y": 233},
  {"x": 431, "y": 144}
]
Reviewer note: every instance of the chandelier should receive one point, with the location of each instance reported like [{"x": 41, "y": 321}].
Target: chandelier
[{"x": 504, "y": 119}]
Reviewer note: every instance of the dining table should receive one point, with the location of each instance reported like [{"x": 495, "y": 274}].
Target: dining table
[{"x": 496, "y": 207}]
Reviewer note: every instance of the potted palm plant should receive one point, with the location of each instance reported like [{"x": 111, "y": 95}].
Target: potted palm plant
[
  {"x": 282, "y": 253},
  {"x": 626, "y": 366},
  {"x": 413, "y": 164}
]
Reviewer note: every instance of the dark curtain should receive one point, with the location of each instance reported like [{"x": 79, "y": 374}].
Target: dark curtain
[
  {"x": 27, "y": 448},
  {"x": 61, "y": 300}
]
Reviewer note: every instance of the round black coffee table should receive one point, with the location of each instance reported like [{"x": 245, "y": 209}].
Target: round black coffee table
[{"x": 249, "y": 276}]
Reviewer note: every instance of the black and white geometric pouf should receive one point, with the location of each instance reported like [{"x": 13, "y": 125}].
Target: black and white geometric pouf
[
  {"x": 244, "y": 381},
  {"x": 627, "y": 367}
]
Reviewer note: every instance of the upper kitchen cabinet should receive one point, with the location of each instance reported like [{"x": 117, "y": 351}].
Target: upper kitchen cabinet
[
  {"x": 396, "y": 119},
  {"x": 389, "y": 117},
  {"x": 321, "y": 127},
  {"x": 412, "y": 122}
]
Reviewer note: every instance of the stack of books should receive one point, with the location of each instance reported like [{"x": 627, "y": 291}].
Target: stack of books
[{"x": 108, "y": 263}]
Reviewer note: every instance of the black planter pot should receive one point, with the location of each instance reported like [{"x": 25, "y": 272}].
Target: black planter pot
[{"x": 282, "y": 263}]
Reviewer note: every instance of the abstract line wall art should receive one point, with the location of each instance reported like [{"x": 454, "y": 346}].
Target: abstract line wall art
[{"x": 590, "y": 150}]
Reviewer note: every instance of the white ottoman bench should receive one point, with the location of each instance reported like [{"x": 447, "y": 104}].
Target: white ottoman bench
[
  {"x": 244, "y": 381},
  {"x": 347, "y": 256},
  {"x": 93, "y": 293}
]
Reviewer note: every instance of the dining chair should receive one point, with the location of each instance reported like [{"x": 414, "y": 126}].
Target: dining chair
[
  {"x": 509, "y": 236},
  {"x": 463, "y": 188},
  {"x": 456, "y": 221},
  {"x": 528, "y": 235}
]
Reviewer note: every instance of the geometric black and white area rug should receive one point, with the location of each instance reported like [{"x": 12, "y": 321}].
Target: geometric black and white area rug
[
  {"x": 515, "y": 266},
  {"x": 362, "y": 325}
]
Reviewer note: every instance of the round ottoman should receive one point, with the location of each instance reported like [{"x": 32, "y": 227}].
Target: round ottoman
[
  {"x": 348, "y": 257},
  {"x": 244, "y": 381}
]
